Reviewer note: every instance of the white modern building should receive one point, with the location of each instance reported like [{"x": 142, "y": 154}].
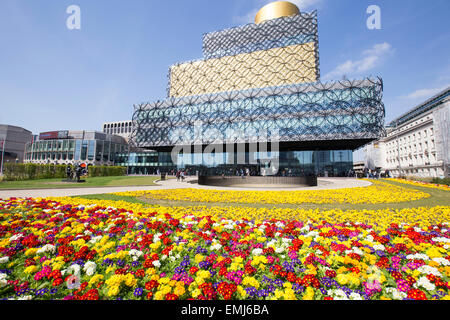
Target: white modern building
[
  {"x": 73, "y": 147},
  {"x": 417, "y": 143},
  {"x": 119, "y": 128}
]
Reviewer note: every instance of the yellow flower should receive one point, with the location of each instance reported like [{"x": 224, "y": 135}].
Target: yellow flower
[
  {"x": 31, "y": 251},
  {"x": 95, "y": 279},
  {"x": 113, "y": 291},
  {"x": 309, "y": 294},
  {"x": 130, "y": 280},
  {"x": 342, "y": 279},
  {"x": 30, "y": 269},
  {"x": 198, "y": 258}
]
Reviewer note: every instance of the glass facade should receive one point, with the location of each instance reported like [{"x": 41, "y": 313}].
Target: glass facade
[
  {"x": 259, "y": 84},
  {"x": 331, "y": 163},
  {"x": 73, "y": 150}
]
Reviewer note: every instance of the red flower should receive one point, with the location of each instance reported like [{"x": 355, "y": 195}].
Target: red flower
[
  {"x": 417, "y": 294},
  {"x": 330, "y": 273},
  {"x": 140, "y": 273},
  {"x": 193, "y": 270},
  {"x": 151, "y": 284}
]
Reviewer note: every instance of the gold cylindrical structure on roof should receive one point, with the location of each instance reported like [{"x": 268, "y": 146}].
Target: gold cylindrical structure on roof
[{"x": 276, "y": 10}]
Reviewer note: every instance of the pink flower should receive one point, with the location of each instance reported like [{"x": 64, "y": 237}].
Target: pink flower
[
  {"x": 73, "y": 282},
  {"x": 402, "y": 285},
  {"x": 293, "y": 255}
]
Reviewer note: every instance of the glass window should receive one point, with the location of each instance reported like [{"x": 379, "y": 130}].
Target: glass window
[
  {"x": 91, "y": 150},
  {"x": 77, "y": 150},
  {"x": 99, "y": 150},
  {"x": 106, "y": 148},
  {"x": 84, "y": 147}
]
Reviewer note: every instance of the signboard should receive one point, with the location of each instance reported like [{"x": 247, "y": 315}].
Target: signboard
[{"x": 53, "y": 135}]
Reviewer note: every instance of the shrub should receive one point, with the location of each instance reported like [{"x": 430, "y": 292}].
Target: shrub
[
  {"x": 107, "y": 171},
  {"x": 33, "y": 171}
]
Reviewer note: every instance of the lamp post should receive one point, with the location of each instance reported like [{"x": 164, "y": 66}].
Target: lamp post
[
  {"x": 398, "y": 149},
  {"x": 3, "y": 153}
]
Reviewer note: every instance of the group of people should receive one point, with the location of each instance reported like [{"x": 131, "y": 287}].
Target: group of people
[
  {"x": 181, "y": 174},
  {"x": 375, "y": 174},
  {"x": 76, "y": 172}
]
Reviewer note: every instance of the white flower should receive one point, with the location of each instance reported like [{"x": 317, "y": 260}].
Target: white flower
[
  {"x": 135, "y": 254},
  {"x": 4, "y": 259},
  {"x": 90, "y": 268},
  {"x": 257, "y": 252},
  {"x": 216, "y": 246},
  {"x": 418, "y": 256},
  {"x": 3, "y": 281},
  {"x": 25, "y": 298},
  {"x": 74, "y": 269},
  {"x": 379, "y": 247},
  {"x": 95, "y": 239},
  {"x": 47, "y": 248},
  {"x": 312, "y": 234},
  {"x": 164, "y": 257},
  {"x": 16, "y": 237},
  {"x": 441, "y": 239},
  {"x": 337, "y": 294},
  {"x": 396, "y": 295},
  {"x": 156, "y": 263},
  {"x": 429, "y": 270},
  {"x": 442, "y": 261},
  {"x": 425, "y": 283},
  {"x": 358, "y": 251},
  {"x": 279, "y": 249},
  {"x": 305, "y": 228},
  {"x": 355, "y": 296}
]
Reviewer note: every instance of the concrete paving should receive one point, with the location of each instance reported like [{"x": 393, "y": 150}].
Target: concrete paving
[{"x": 190, "y": 182}]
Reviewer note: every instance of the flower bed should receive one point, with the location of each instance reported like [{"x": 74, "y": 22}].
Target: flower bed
[
  {"x": 378, "y": 192},
  {"x": 422, "y": 184},
  {"x": 75, "y": 249}
]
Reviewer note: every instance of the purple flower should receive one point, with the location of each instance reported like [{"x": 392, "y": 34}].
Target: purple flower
[{"x": 138, "y": 292}]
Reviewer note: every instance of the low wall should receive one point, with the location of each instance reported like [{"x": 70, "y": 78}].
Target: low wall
[{"x": 228, "y": 181}]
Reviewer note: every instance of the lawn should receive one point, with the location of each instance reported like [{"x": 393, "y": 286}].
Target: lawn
[{"x": 90, "y": 182}]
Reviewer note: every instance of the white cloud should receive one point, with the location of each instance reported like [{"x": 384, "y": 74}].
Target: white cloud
[
  {"x": 371, "y": 59},
  {"x": 250, "y": 16},
  {"x": 425, "y": 93}
]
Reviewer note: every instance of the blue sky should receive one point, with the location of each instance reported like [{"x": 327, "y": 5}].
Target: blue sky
[{"x": 53, "y": 78}]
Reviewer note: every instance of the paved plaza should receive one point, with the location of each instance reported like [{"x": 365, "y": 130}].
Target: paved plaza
[{"x": 190, "y": 182}]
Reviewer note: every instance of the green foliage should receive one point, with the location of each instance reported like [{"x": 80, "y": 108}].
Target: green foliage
[
  {"x": 33, "y": 171},
  {"x": 441, "y": 181},
  {"x": 107, "y": 171},
  {"x": 445, "y": 181}
]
